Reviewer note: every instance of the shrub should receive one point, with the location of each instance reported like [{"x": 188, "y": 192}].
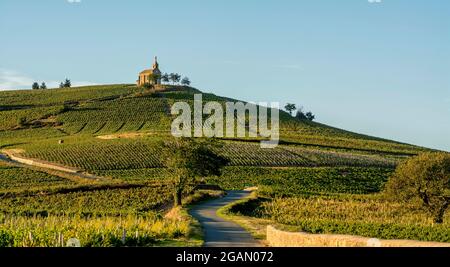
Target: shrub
[{"x": 425, "y": 180}]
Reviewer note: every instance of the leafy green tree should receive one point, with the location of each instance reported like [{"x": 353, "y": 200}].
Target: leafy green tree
[
  {"x": 290, "y": 108},
  {"x": 425, "y": 181},
  {"x": 300, "y": 115},
  {"x": 67, "y": 83},
  {"x": 165, "y": 78},
  {"x": 35, "y": 86},
  {"x": 310, "y": 116},
  {"x": 61, "y": 85},
  {"x": 155, "y": 78},
  {"x": 186, "y": 81},
  {"x": 43, "y": 85},
  {"x": 188, "y": 159},
  {"x": 175, "y": 77}
]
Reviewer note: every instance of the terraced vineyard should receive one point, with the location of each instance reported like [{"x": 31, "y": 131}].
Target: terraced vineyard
[
  {"x": 100, "y": 155},
  {"x": 114, "y": 132},
  {"x": 127, "y": 114},
  {"x": 33, "y": 98},
  {"x": 10, "y": 118}
]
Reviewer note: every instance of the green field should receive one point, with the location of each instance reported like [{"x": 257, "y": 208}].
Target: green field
[{"x": 114, "y": 131}]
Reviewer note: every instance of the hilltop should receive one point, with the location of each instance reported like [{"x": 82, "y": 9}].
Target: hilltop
[{"x": 108, "y": 109}]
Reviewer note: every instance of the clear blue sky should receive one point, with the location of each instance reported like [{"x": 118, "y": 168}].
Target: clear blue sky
[{"x": 376, "y": 68}]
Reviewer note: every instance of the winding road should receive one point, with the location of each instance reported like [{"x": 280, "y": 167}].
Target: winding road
[{"x": 218, "y": 231}]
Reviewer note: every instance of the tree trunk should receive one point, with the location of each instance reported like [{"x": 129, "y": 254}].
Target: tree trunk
[
  {"x": 177, "y": 195},
  {"x": 439, "y": 217}
]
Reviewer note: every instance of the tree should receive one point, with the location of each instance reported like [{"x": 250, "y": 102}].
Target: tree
[
  {"x": 187, "y": 159},
  {"x": 35, "y": 86},
  {"x": 165, "y": 78},
  {"x": 423, "y": 180},
  {"x": 290, "y": 108},
  {"x": 186, "y": 81},
  {"x": 67, "y": 83},
  {"x": 154, "y": 77},
  {"x": 174, "y": 77},
  {"x": 310, "y": 116},
  {"x": 300, "y": 115},
  {"x": 61, "y": 85},
  {"x": 43, "y": 85}
]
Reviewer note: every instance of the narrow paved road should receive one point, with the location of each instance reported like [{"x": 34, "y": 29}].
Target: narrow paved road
[{"x": 220, "y": 232}]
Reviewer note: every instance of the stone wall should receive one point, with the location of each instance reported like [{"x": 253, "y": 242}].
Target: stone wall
[{"x": 277, "y": 238}]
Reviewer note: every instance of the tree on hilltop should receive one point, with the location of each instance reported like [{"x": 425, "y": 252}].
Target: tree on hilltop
[
  {"x": 67, "y": 83},
  {"x": 310, "y": 116},
  {"x": 165, "y": 78},
  {"x": 154, "y": 78},
  {"x": 186, "y": 81},
  {"x": 301, "y": 115},
  {"x": 43, "y": 86},
  {"x": 290, "y": 108},
  {"x": 35, "y": 86},
  {"x": 175, "y": 77}
]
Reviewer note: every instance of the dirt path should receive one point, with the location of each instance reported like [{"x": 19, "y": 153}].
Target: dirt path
[
  {"x": 52, "y": 169},
  {"x": 220, "y": 232}
]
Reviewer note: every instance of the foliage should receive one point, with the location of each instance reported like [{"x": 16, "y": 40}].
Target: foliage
[
  {"x": 67, "y": 83},
  {"x": 425, "y": 179},
  {"x": 55, "y": 231},
  {"x": 35, "y": 86},
  {"x": 290, "y": 108},
  {"x": 186, "y": 81},
  {"x": 175, "y": 77},
  {"x": 188, "y": 158}
]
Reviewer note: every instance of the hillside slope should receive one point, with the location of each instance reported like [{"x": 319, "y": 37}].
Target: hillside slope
[{"x": 113, "y": 109}]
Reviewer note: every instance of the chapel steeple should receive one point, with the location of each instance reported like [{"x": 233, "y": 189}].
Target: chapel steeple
[{"x": 156, "y": 64}]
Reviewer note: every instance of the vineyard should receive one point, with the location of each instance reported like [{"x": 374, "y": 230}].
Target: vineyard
[
  {"x": 120, "y": 115},
  {"x": 282, "y": 182},
  {"x": 121, "y": 154},
  {"x": 10, "y": 118},
  {"x": 100, "y": 154},
  {"x": 129, "y": 231},
  {"x": 363, "y": 216},
  {"x": 319, "y": 179},
  {"x": 14, "y": 178},
  {"x": 14, "y": 99},
  {"x": 105, "y": 202}
]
